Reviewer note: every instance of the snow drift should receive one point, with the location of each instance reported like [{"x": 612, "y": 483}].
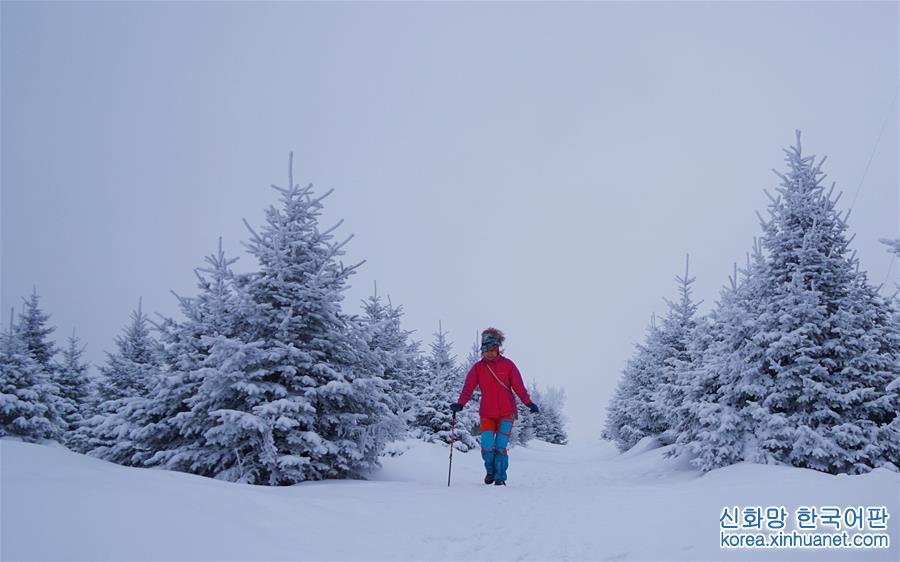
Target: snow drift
[{"x": 578, "y": 502}]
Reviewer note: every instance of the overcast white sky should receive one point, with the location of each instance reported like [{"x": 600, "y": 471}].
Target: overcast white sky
[{"x": 541, "y": 167}]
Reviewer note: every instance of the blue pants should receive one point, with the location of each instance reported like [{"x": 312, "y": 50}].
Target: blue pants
[{"x": 494, "y": 439}]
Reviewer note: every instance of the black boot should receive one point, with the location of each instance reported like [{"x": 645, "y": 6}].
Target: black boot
[
  {"x": 488, "y": 478},
  {"x": 499, "y": 482}
]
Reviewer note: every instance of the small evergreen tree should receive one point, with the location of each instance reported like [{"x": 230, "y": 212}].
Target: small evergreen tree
[
  {"x": 29, "y": 403},
  {"x": 35, "y": 331},
  {"x": 74, "y": 384},
  {"x": 127, "y": 378},
  {"x": 549, "y": 424},
  {"x": 633, "y": 411},
  {"x": 714, "y": 422},
  {"x": 679, "y": 358},
  {"x": 398, "y": 355},
  {"x": 442, "y": 382},
  {"x": 523, "y": 429},
  {"x": 171, "y": 431}
]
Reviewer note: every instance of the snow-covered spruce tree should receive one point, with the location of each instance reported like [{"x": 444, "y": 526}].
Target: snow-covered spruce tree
[
  {"x": 399, "y": 356},
  {"x": 831, "y": 345},
  {"x": 549, "y": 425},
  {"x": 220, "y": 432},
  {"x": 554, "y": 430},
  {"x": 172, "y": 427},
  {"x": 432, "y": 421},
  {"x": 651, "y": 391},
  {"x": 313, "y": 402},
  {"x": 803, "y": 351},
  {"x": 679, "y": 357},
  {"x": 714, "y": 423},
  {"x": 440, "y": 386},
  {"x": 29, "y": 403},
  {"x": 74, "y": 384},
  {"x": 523, "y": 429},
  {"x": 891, "y": 433},
  {"x": 35, "y": 331},
  {"x": 633, "y": 411},
  {"x": 126, "y": 380},
  {"x": 539, "y": 423}
]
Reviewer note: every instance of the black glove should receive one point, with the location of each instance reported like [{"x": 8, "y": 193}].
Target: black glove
[
  {"x": 534, "y": 408},
  {"x": 455, "y": 407}
]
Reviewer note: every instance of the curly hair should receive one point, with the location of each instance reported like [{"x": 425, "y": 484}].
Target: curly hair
[{"x": 496, "y": 333}]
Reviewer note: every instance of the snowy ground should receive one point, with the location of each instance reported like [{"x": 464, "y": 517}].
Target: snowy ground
[{"x": 579, "y": 502}]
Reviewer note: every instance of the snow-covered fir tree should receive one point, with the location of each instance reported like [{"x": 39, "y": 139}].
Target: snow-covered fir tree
[
  {"x": 74, "y": 384},
  {"x": 892, "y": 431},
  {"x": 803, "y": 352},
  {"x": 894, "y": 248},
  {"x": 34, "y": 330},
  {"x": 126, "y": 380},
  {"x": 299, "y": 395},
  {"x": 651, "y": 391},
  {"x": 679, "y": 360},
  {"x": 233, "y": 379},
  {"x": 523, "y": 429},
  {"x": 714, "y": 423},
  {"x": 399, "y": 356},
  {"x": 440, "y": 386},
  {"x": 831, "y": 345},
  {"x": 172, "y": 428},
  {"x": 633, "y": 411},
  {"x": 29, "y": 401},
  {"x": 549, "y": 425}
]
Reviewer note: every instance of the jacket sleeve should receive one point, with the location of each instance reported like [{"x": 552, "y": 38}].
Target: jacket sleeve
[
  {"x": 468, "y": 387},
  {"x": 518, "y": 385}
]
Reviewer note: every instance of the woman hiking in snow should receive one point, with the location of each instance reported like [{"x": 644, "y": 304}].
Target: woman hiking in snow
[{"x": 497, "y": 377}]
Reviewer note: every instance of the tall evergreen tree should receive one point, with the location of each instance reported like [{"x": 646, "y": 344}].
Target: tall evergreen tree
[
  {"x": 803, "y": 352},
  {"x": 312, "y": 402},
  {"x": 831, "y": 346}
]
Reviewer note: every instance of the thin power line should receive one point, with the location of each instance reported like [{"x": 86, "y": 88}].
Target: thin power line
[
  {"x": 890, "y": 268},
  {"x": 874, "y": 148}
]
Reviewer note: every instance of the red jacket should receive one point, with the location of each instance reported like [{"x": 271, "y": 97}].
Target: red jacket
[{"x": 496, "y": 399}]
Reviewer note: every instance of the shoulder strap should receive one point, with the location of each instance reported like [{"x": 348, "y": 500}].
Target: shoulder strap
[{"x": 506, "y": 386}]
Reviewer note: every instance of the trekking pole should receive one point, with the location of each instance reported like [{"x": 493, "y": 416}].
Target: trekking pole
[{"x": 452, "y": 427}]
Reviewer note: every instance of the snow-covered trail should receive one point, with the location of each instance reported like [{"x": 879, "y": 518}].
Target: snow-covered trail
[{"x": 578, "y": 502}]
